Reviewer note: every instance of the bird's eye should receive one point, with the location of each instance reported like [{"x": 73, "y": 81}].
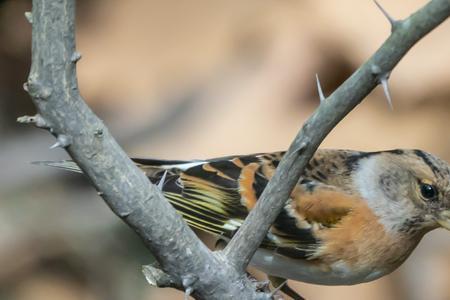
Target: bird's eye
[{"x": 428, "y": 191}]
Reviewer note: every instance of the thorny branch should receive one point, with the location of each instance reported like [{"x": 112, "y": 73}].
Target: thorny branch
[
  {"x": 52, "y": 85},
  {"x": 187, "y": 263}
]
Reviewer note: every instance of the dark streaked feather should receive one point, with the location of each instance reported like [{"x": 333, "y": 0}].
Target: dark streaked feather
[
  {"x": 67, "y": 165},
  {"x": 208, "y": 196}
]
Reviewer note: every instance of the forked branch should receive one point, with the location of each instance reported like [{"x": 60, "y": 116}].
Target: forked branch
[{"x": 187, "y": 263}]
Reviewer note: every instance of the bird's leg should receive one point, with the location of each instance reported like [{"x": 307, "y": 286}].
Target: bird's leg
[{"x": 281, "y": 284}]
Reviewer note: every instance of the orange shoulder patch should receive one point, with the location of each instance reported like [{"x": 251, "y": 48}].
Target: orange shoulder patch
[
  {"x": 246, "y": 189},
  {"x": 323, "y": 206}
]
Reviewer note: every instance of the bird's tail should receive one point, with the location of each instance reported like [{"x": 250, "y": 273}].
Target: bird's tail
[
  {"x": 68, "y": 165},
  {"x": 153, "y": 168}
]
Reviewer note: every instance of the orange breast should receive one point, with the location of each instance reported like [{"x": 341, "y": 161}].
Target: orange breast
[{"x": 362, "y": 242}]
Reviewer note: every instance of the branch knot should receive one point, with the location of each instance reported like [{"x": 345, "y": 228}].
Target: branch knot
[
  {"x": 157, "y": 277},
  {"x": 37, "y": 90}
]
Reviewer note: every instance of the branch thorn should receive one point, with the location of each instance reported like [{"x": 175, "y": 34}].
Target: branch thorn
[
  {"x": 319, "y": 89},
  {"x": 29, "y": 17},
  {"x": 55, "y": 145},
  {"x": 382, "y": 78},
  {"x": 188, "y": 292},
  {"x": 385, "y": 85},
  {"x": 62, "y": 141},
  {"x": 187, "y": 282},
  {"x": 76, "y": 56},
  {"x": 124, "y": 214},
  {"x": 391, "y": 20}
]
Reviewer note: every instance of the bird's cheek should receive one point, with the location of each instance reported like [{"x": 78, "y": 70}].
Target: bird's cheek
[{"x": 443, "y": 219}]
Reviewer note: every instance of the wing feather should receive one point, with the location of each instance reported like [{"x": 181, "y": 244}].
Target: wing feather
[{"x": 216, "y": 195}]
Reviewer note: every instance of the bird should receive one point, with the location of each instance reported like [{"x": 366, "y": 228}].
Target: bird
[{"x": 353, "y": 216}]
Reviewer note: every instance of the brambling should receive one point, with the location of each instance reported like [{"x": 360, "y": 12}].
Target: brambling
[{"x": 353, "y": 216}]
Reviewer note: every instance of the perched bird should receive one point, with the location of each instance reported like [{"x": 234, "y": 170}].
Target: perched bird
[{"x": 353, "y": 216}]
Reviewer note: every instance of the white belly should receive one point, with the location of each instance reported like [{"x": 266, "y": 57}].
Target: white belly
[{"x": 303, "y": 270}]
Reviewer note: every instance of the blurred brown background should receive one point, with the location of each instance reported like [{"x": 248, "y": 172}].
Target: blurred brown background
[{"x": 198, "y": 79}]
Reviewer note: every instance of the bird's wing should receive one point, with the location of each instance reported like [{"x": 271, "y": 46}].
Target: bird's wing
[
  {"x": 213, "y": 195},
  {"x": 314, "y": 207},
  {"x": 216, "y": 195}
]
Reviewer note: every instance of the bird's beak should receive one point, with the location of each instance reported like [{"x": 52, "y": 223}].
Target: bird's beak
[{"x": 444, "y": 219}]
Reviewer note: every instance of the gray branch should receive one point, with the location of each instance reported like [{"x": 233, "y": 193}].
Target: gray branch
[
  {"x": 52, "y": 85},
  {"x": 331, "y": 111},
  {"x": 186, "y": 262}
]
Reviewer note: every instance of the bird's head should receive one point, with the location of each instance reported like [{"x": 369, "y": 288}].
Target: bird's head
[{"x": 408, "y": 189}]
